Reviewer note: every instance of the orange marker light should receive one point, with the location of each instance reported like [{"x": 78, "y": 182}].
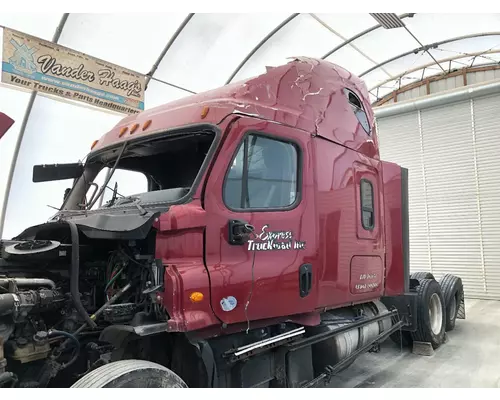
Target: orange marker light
[
  {"x": 146, "y": 124},
  {"x": 134, "y": 128},
  {"x": 204, "y": 112},
  {"x": 123, "y": 131},
  {"x": 196, "y": 297},
  {"x": 94, "y": 144}
]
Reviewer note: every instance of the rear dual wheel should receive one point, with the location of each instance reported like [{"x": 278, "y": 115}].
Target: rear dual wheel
[
  {"x": 453, "y": 293},
  {"x": 422, "y": 275},
  {"x": 431, "y": 315}
]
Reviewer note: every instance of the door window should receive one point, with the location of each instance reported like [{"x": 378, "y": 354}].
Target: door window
[{"x": 263, "y": 175}]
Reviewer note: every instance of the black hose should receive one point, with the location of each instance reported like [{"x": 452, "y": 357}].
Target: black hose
[
  {"x": 75, "y": 275},
  {"x": 115, "y": 297},
  {"x": 76, "y": 351}
]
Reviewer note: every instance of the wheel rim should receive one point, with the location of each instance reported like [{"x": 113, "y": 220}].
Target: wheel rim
[
  {"x": 435, "y": 314},
  {"x": 453, "y": 307}
]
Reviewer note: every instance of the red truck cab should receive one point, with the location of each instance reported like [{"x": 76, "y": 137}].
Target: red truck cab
[
  {"x": 295, "y": 155},
  {"x": 266, "y": 245}
]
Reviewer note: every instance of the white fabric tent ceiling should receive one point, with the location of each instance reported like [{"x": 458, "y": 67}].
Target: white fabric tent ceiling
[{"x": 196, "y": 52}]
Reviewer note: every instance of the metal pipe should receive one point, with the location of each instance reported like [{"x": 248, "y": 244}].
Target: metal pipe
[
  {"x": 111, "y": 301},
  {"x": 282, "y": 336},
  {"x": 269, "y": 341},
  {"x": 428, "y": 46},
  {"x": 169, "y": 44},
  {"x": 357, "y": 36},
  {"x": 467, "y": 93},
  {"x": 94, "y": 316},
  {"x": 423, "y": 67},
  {"x": 259, "y": 45},
  {"x": 23, "y": 282}
]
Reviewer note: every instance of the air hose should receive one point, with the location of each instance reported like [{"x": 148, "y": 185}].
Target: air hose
[{"x": 76, "y": 352}]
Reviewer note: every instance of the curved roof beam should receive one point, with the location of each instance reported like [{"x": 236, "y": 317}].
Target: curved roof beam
[
  {"x": 365, "y": 32},
  {"x": 456, "y": 57},
  {"x": 29, "y": 107},
  {"x": 261, "y": 43},
  {"x": 427, "y": 47},
  {"x": 167, "y": 47}
]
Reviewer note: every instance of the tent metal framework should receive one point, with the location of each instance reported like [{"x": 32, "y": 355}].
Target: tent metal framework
[{"x": 182, "y": 54}]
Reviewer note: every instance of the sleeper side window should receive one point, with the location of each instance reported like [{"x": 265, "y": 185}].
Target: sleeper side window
[
  {"x": 358, "y": 110},
  {"x": 263, "y": 175},
  {"x": 367, "y": 205}
]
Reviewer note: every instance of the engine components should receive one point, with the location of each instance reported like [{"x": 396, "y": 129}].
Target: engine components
[
  {"x": 25, "y": 351},
  {"x": 31, "y": 247},
  {"x": 21, "y": 303},
  {"x": 75, "y": 274},
  {"x": 118, "y": 313},
  {"x": 3, "y": 361},
  {"x": 27, "y": 282},
  {"x": 32, "y": 250}
]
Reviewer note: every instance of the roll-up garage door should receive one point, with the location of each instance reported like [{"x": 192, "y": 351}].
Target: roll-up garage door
[{"x": 452, "y": 154}]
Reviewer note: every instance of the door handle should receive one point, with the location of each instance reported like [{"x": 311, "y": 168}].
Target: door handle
[
  {"x": 239, "y": 232},
  {"x": 305, "y": 279}
]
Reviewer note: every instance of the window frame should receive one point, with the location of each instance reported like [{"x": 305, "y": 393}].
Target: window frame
[
  {"x": 279, "y": 138},
  {"x": 116, "y": 146},
  {"x": 347, "y": 92},
  {"x": 362, "y": 206},
  {"x": 149, "y": 183}
]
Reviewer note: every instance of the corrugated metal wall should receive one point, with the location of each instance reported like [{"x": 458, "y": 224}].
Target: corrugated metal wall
[
  {"x": 444, "y": 84},
  {"x": 452, "y": 154}
]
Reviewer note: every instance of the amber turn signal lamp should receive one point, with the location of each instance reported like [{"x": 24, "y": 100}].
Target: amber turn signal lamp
[
  {"x": 146, "y": 124},
  {"x": 134, "y": 128},
  {"x": 94, "y": 144},
  {"x": 196, "y": 297},
  {"x": 204, "y": 112},
  {"x": 123, "y": 131}
]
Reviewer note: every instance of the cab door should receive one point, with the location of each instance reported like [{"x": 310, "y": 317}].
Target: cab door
[
  {"x": 368, "y": 260},
  {"x": 262, "y": 177}
]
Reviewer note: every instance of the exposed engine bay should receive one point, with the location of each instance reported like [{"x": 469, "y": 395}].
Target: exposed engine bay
[{"x": 59, "y": 291}]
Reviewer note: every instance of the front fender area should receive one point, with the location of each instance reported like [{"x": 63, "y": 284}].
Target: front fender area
[
  {"x": 180, "y": 246},
  {"x": 181, "y": 280}
]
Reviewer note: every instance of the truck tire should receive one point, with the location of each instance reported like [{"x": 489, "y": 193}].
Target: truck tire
[
  {"x": 453, "y": 292},
  {"x": 421, "y": 275},
  {"x": 130, "y": 374},
  {"x": 431, "y": 313}
]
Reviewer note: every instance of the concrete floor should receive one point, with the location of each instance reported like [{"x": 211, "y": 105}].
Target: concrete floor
[{"x": 470, "y": 358}]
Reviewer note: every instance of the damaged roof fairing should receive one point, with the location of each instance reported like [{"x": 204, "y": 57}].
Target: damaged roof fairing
[{"x": 306, "y": 94}]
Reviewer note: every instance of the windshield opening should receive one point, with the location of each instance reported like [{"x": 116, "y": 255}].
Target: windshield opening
[{"x": 150, "y": 171}]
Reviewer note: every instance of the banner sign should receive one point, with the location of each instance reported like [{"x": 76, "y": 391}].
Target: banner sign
[{"x": 36, "y": 64}]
